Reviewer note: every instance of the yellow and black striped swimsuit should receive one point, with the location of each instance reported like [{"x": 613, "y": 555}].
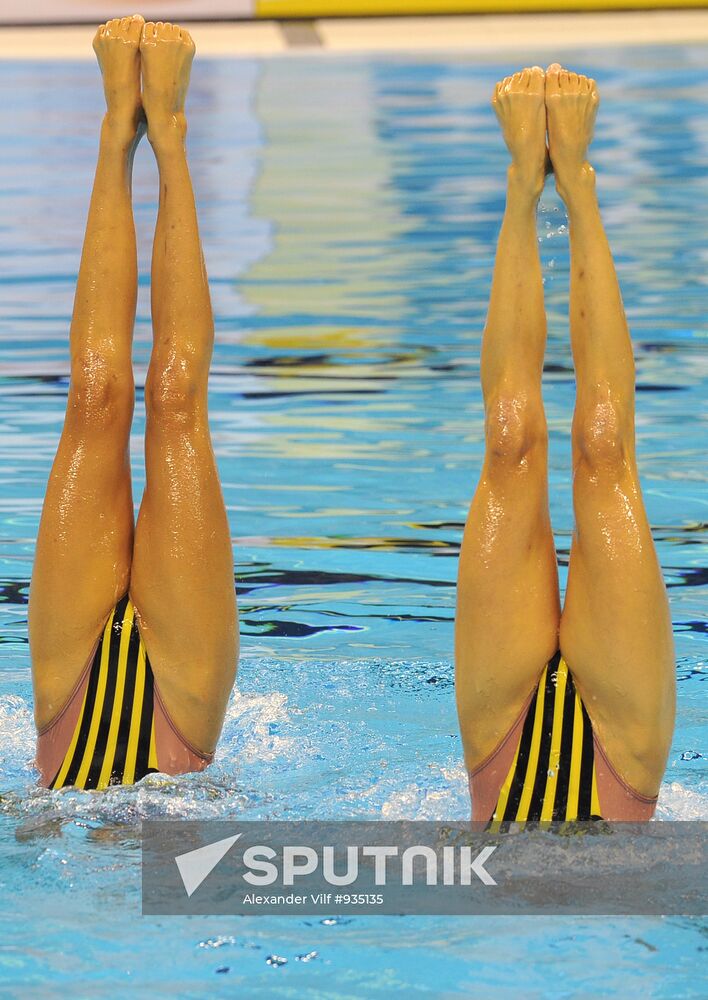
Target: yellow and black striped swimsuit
[
  {"x": 114, "y": 738},
  {"x": 552, "y": 775}
]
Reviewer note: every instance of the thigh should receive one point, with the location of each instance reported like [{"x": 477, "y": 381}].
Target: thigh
[
  {"x": 507, "y": 605},
  {"x": 616, "y": 627},
  {"x": 84, "y": 546},
  {"x": 182, "y": 582}
]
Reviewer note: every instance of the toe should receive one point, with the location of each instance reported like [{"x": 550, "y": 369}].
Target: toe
[
  {"x": 553, "y": 78},
  {"x": 536, "y": 80},
  {"x": 136, "y": 27},
  {"x": 148, "y": 32}
]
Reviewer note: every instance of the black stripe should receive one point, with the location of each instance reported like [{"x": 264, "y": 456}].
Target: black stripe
[
  {"x": 560, "y": 805},
  {"x": 522, "y": 760},
  {"x": 554, "y": 661},
  {"x": 85, "y": 724},
  {"x": 104, "y": 725},
  {"x": 126, "y": 713},
  {"x": 586, "y": 768},
  {"x": 567, "y": 748},
  {"x": 145, "y": 731},
  {"x": 544, "y": 752}
]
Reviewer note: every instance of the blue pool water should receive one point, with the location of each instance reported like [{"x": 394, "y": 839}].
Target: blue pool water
[{"x": 349, "y": 212}]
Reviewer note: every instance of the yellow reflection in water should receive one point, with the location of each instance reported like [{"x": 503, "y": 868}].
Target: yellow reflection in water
[{"x": 323, "y": 184}]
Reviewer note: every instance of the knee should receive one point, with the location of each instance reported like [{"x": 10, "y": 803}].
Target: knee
[
  {"x": 101, "y": 390},
  {"x": 175, "y": 392},
  {"x": 515, "y": 428},
  {"x": 602, "y": 437}
]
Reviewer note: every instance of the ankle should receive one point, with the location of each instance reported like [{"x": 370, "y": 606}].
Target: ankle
[
  {"x": 524, "y": 187},
  {"x": 576, "y": 183},
  {"x": 168, "y": 131},
  {"x": 121, "y": 131}
]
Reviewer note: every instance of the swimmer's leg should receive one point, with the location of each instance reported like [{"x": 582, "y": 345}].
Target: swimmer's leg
[
  {"x": 616, "y": 627},
  {"x": 508, "y": 604},
  {"x": 84, "y": 545},
  {"x": 183, "y": 579}
]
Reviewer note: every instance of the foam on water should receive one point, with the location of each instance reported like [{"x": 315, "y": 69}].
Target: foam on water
[{"x": 262, "y": 737}]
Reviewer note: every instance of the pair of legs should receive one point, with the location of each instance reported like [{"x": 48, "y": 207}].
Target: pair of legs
[
  {"x": 614, "y": 629},
  {"x": 177, "y": 561}
]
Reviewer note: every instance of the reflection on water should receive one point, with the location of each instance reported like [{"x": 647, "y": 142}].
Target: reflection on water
[{"x": 349, "y": 210}]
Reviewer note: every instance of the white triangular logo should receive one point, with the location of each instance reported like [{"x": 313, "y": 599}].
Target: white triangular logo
[{"x": 194, "y": 866}]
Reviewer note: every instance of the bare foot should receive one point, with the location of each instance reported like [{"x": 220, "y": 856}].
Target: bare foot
[
  {"x": 117, "y": 48},
  {"x": 167, "y": 52},
  {"x": 519, "y": 103},
  {"x": 571, "y": 103}
]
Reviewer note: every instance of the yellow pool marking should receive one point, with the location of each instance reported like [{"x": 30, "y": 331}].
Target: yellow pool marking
[
  {"x": 493, "y": 33},
  {"x": 384, "y": 8}
]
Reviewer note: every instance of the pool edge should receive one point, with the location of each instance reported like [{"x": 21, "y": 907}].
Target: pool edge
[{"x": 400, "y": 35}]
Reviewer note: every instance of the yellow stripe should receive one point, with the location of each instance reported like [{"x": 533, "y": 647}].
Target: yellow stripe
[
  {"x": 132, "y": 751},
  {"x": 505, "y": 789},
  {"x": 594, "y": 798},
  {"x": 383, "y": 8},
  {"x": 576, "y": 755},
  {"x": 549, "y": 796},
  {"x": 97, "y": 706},
  {"x": 525, "y": 802},
  {"x": 69, "y": 755},
  {"x": 109, "y": 757},
  {"x": 152, "y": 753}
]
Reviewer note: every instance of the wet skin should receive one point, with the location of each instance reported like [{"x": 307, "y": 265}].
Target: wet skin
[
  {"x": 614, "y": 629},
  {"x": 177, "y": 562}
]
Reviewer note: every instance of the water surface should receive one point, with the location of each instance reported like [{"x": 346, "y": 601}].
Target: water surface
[{"x": 349, "y": 212}]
